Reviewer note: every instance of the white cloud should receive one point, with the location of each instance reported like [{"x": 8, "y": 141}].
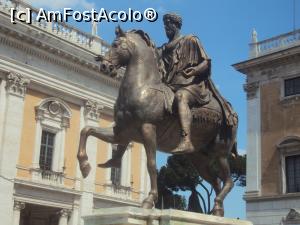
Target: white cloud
[{"x": 59, "y": 4}]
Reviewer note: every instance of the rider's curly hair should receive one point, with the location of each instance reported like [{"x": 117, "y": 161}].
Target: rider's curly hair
[{"x": 173, "y": 17}]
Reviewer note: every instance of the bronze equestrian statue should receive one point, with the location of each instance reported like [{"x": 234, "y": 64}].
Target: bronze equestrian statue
[{"x": 164, "y": 91}]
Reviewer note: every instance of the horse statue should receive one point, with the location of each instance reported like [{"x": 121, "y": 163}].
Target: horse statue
[{"x": 140, "y": 115}]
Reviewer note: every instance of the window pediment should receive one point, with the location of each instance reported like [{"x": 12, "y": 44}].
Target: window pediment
[
  {"x": 289, "y": 144},
  {"x": 54, "y": 110}
]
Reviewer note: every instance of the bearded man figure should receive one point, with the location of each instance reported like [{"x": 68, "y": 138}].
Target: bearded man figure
[{"x": 186, "y": 69}]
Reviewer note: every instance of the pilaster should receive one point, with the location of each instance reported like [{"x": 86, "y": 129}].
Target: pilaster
[
  {"x": 253, "y": 139},
  {"x": 90, "y": 117},
  {"x": 12, "y": 119}
]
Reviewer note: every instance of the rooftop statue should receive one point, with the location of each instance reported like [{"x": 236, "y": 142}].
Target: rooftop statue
[{"x": 167, "y": 101}]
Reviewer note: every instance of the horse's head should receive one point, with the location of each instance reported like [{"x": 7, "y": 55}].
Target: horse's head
[
  {"x": 123, "y": 48},
  {"x": 119, "y": 53}
]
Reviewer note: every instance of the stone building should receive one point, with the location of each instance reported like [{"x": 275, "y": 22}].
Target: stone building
[
  {"x": 273, "y": 146},
  {"x": 50, "y": 88}
]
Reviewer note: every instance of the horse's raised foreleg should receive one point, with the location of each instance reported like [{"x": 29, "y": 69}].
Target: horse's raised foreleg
[
  {"x": 149, "y": 139},
  {"x": 105, "y": 134},
  {"x": 227, "y": 185}
]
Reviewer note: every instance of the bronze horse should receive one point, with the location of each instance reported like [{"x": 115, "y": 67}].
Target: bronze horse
[{"x": 140, "y": 115}]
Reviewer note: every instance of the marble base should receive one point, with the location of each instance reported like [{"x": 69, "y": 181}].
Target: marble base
[{"x": 139, "y": 216}]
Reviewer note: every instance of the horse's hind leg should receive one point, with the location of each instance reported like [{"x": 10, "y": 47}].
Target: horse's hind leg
[
  {"x": 225, "y": 176},
  {"x": 105, "y": 134},
  {"x": 149, "y": 140},
  {"x": 201, "y": 164}
]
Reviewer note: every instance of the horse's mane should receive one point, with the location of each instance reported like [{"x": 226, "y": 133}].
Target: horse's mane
[{"x": 144, "y": 36}]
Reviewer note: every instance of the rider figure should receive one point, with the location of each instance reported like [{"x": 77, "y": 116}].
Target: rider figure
[{"x": 186, "y": 70}]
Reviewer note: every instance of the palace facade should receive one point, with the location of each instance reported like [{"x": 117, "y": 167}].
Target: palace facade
[
  {"x": 50, "y": 88},
  {"x": 273, "y": 144}
]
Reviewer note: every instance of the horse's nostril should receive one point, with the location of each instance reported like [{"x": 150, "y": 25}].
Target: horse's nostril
[{"x": 103, "y": 67}]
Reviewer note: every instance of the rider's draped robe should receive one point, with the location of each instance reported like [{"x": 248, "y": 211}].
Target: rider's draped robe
[{"x": 185, "y": 52}]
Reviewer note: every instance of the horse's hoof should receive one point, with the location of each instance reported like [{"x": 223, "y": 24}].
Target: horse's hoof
[
  {"x": 115, "y": 163},
  {"x": 147, "y": 204},
  {"x": 218, "y": 212},
  {"x": 85, "y": 169}
]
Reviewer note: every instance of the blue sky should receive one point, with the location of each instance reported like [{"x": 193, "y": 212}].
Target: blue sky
[{"x": 224, "y": 28}]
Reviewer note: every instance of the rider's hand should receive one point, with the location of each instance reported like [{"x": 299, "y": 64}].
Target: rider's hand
[{"x": 189, "y": 72}]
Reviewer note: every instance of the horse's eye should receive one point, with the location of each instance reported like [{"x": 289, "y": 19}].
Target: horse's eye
[{"x": 114, "y": 45}]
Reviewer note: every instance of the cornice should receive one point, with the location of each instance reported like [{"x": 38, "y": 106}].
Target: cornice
[
  {"x": 43, "y": 81},
  {"x": 250, "y": 198},
  {"x": 48, "y": 52},
  {"x": 47, "y": 187},
  {"x": 272, "y": 60},
  {"x": 116, "y": 199}
]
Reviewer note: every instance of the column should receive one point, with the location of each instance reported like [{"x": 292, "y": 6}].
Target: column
[
  {"x": 91, "y": 116},
  {"x": 64, "y": 214},
  {"x": 143, "y": 166},
  {"x": 253, "y": 139},
  {"x": 15, "y": 88},
  {"x": 18, "y": 206},
  {"x": 75, "y": 217},
  {"x": 129, "y": 150}
]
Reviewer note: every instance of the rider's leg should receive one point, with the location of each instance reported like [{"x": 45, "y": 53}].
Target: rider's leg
[
  {"x": 116, "y": 159},
  {"x": 184, "y": 98}
]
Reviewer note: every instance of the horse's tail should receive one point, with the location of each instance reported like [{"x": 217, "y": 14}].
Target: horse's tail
[{"x": 234, "y": 151}]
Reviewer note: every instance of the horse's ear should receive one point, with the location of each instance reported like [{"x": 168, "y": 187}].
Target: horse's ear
[{"x": 119, "y": 32}]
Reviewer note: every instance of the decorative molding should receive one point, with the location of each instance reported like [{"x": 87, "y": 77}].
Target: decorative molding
[
  {"x": 19, "y": 205},
  {"x": 293, "y": 215},
  {"x": 57, "y": 56},
  {"x": 92, "y": 110},
  {"x": 55, "y": 109},
  {"x": 65, "y": 212},
  {"x": 251, "y": 89},
  {"x": 16, "y": 84},
  {"x": 290, "y": 100},
  {"x": 292, "y": 218}
]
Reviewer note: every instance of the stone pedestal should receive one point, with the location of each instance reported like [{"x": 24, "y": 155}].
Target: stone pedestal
[{"x": 137, "y": 216}]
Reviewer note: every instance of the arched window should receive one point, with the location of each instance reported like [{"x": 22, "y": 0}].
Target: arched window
[
  {"x": 52, "y": 120},
  {"x": 289, "y": 149}
]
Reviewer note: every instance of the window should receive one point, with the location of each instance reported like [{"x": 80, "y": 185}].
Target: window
[
  {"x": 52, "y": 121},
  {"x": 292, "y": 173},
  {"x": 292, "y": 86},
  {"x": 115, "y": 174},
  {"x": 46, "y": 150},
  {"x": 289, "y": 149}
]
